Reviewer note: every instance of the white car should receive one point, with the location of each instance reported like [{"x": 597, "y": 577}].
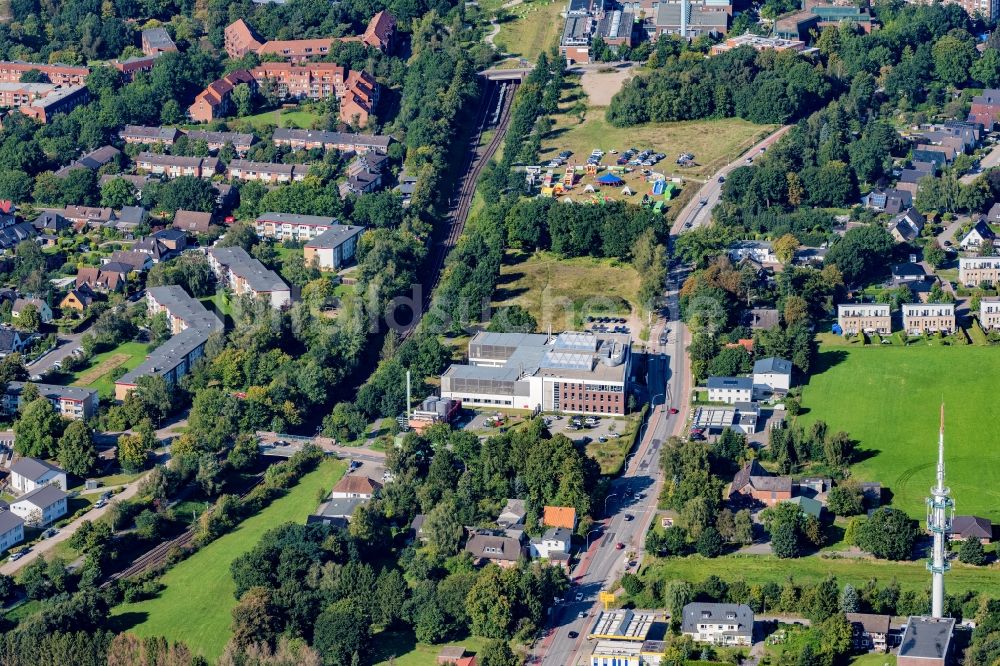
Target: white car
[{"x": 579, "y": 596}]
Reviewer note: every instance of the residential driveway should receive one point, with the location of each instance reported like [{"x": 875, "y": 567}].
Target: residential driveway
[
  {"x": 949, "y": 232},
  {"x": 39, "y": 549},
  {"x": 991, "y": 160},
  {"x": 65, "y": 346}
]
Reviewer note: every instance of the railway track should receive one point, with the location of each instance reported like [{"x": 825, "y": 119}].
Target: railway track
[
  {"x": 157, "y": 555},
  {"x": 478, "y": 158}
]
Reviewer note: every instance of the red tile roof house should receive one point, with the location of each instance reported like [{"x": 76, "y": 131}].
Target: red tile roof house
[{"x": 192, "y": 221}]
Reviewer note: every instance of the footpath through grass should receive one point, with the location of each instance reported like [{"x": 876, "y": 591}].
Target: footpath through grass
[
  {"x": 888, "y": 399},
  {"x": 197, "y": 603},
  {"x": 760, "y": 569}
]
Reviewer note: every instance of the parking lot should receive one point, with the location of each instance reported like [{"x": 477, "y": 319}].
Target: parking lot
[{"x": 606, "y": 427}]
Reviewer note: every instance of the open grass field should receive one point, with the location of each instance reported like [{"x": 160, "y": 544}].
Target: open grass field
[
  {"x": 300, "y": 119},
  {"x": 530, "y": 28},
  {"x": 97, "y": 375},
  {"x": 760, "y": 569},
  {"x": 403, "y": 650},
  {"x": 874, "y": 659},
  {"x": 561, "y": 291},
  {"x": 198, "y": 600},
  {"x": 887, "y": 398}
]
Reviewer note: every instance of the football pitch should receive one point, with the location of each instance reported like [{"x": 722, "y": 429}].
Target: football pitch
[{"x": 887, "y": 398}]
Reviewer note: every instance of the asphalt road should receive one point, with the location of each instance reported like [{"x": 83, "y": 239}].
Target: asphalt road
[
  {"x": 695, "y": 214},
  {"x": 65, "y": 346},
  {"x": 631, "y": 505}
]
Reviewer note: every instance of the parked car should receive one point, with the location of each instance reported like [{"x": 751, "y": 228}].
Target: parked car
[
  {"x": 18, "y": 554},
  {"x": 722, "y": 179}
]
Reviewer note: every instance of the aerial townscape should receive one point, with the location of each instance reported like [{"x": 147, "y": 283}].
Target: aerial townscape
[{"x": 499, "y": 333}]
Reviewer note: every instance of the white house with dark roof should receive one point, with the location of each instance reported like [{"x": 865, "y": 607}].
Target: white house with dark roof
[
  {"x": 730, "y": 389},
  {"x": 11, "y": 530},
  {"x": 41, "y": 506},
  {"x": 771, "y": 376},
  {"x": 554, "y": 546},
  {"x": 718, "y": 624},
  {"x": 513, "y": 513},
  {"x": 28, "y": 474},
  {"x": 333, "y": 248},
  {"x": 11, "y": 341},
  {"x": 980, "y": 234},
  {"x": 288, "y": 226}
]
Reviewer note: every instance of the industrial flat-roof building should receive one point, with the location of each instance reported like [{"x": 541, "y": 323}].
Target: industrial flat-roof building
[
  {"x": 926, "y": 641},
  {"x": 583, "y": 373}
]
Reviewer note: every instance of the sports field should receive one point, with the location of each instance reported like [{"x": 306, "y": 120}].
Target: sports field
[
  {"x": 197, "y": 603},
  {"x": 97, "y": 375},
  {"x": 887, "y": 398}
]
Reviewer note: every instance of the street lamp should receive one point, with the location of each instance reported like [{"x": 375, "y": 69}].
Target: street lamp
[
  {"x": 606, "y": 501},
  {"x": 588, "y": 537}
]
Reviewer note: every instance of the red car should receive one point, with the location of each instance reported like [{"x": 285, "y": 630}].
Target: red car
[
  {"x": 619, "y": 546},
  {"x": 673, "y": 410}
]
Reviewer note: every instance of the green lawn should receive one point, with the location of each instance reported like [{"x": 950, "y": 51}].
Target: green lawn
[
  {"x": 114, "y": 358},
  {"x": 759, "y": 569},
  {"x": 533, "y": 27},
  {"x": 300, "y": 119},
  {"x": 195, "y": 607},
  {"x": 874, "y": 659},
  {"x": 887, "y": 398},
  {"x": 221, "y": 305},
  {"x": 403, "y": 649}
]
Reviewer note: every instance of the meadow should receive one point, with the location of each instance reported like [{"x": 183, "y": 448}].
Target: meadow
[
  {"x": 196, "y": 604},
  {"x": 888, "y": 398}
]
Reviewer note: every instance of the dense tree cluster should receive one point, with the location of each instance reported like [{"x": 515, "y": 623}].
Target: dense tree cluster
[{"x": 763, "y": 87}]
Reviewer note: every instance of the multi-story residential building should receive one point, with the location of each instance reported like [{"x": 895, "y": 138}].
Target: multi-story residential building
[
  {"x": 22, "y": 94},
  {"x": 245, "y": 275},
  {"x": 356, "y": 91},
  {"x": 989, "y": 312},
  {"x": 333, "y": 248},
  {"x": 61, "y": 75},
  {"x": 174, "y": 166},
  {"x": 582, "y": 373},
  {"x": 240, "y": 141},
  {"x": 974, "y": 271},
  {"x": 42, "y": 506},
  {"x": 856, "y": 318},
  {"x": 156, "y": 41},
  {"x": 192, "y": 325},
  {"x": 267, "y": 172},
  {"x": 11, "y": 530},
  {"x": 27, "y": 474},
  {"x": 60, "y": 100},
  {"x": 129, "y": 67},
  {"x": 240, "y": 39},
  {"x": 71, "y": 402},
  {"x": 287, "y": 226},
  {"x": 719, "y": 624},
  {"x": 300, "y": 139},
  {"x": 730, "y": 389},
  {"x": 215, "y": 101},
  {"x": 919, "y": 318},
  {"x": 150, "y": 135}
]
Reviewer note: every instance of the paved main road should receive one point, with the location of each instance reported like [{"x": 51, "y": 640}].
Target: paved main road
[
  {"x": 696, "y": 214},
  {"x": 631, "y": 505}
]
